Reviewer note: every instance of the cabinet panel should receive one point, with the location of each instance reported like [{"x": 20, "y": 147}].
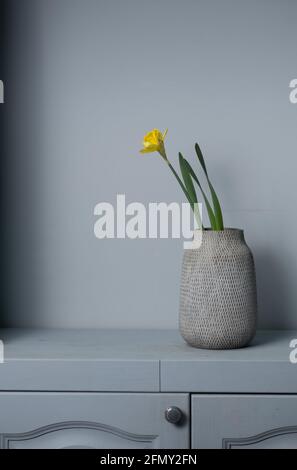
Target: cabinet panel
[
  {"x": 91, "y": 420},
  {"x": 244, "y": 421}
]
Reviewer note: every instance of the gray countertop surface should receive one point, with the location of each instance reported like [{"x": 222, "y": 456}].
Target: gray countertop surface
[
  {"x": 50, "y": 344},
  {"x": 142, "y": 360}
]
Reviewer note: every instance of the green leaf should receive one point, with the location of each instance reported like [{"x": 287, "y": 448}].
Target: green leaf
[
  {"x": 188, "y": 196},
  {"x": 210, "y": 212},
  {"x": 215, "y": 199},
  {"x": 190, "y": 189},
  {"x": 201, "y": 158},
  {"x": 217, "y": 207},
  {"x": 187, "y": 179}
]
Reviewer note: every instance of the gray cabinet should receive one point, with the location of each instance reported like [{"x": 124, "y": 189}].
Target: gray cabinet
[
  {"x": 92, "y": 420},
  {"x": 244, "y": 421},
  {"x": 111, "y": 389}
]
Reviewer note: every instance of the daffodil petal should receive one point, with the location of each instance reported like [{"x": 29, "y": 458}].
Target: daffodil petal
[
  {"x": 146, "y": 151},
  {"x": 147, "y": 144},
  {"x": 152, "y": 147},
  {"x": 158, "y": 136}
]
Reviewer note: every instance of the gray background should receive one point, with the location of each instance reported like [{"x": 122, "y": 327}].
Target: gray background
[{"x": 84, "y": 80}]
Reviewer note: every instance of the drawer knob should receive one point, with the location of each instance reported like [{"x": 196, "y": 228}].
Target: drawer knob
[{"x": 174, "y": 415}]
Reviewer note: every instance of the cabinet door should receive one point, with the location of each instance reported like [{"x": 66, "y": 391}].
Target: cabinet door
[
  {"x": 91, "y": 420},
  {"x": 244, "y": 421}
]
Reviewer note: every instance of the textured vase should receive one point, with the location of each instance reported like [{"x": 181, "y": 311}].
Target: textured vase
[{"x": 218, "y": 298}]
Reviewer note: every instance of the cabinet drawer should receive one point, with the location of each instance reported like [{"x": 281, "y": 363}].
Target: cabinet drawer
[
  {"x": 244, "y": 421},
  {"x": 92, "y": 420}
]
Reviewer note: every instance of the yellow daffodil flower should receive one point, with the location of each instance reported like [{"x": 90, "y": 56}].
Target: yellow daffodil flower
[{"x": 154, "y": 142}]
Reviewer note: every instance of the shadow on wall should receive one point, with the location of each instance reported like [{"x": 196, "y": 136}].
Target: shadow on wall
[
  {"x": 21, "y": 139},
  {"x": 2, "y": 154},
  {"x": 273, "y": 293}
]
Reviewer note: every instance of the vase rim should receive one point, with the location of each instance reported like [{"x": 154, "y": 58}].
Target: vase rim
[
  {"x": 228, "y": 233},
  {"x": 226, "y": 229}
]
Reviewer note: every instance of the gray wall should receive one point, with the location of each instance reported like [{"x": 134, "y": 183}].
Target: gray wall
[{"x": 86, "y": 78}]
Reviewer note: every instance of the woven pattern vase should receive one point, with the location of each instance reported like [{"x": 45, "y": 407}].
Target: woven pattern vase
[{"x": 218, "y": 299}]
